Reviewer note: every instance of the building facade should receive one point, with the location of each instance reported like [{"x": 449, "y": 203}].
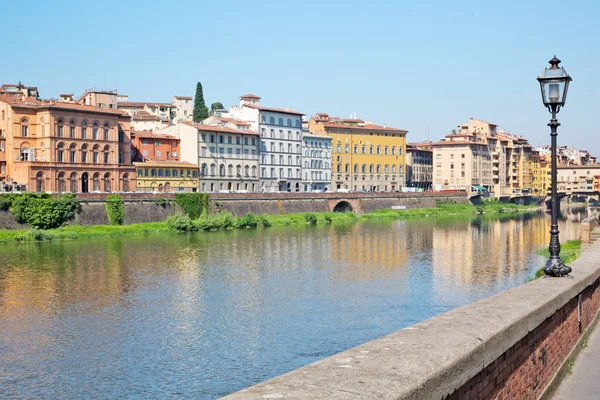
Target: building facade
[
  {"x": 151, "y": 146},
  {"x": 419, "y": 166},
  {"x": 280, "y": 143},
  {"x": 184, "y": 108},
  {"x": 317, "y": 163},
  {"x": 577, "y": 179},
  {"x": 365, "y": 156},
  {"x": 54, "y": 146},
  {"x": 166, "y": 176}
]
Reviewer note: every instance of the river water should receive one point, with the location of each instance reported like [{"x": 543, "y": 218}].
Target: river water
[{"x": 203, "y": 315}]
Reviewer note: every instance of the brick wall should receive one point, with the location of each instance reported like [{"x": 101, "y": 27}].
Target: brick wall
[{"x": 526, "y": 369}]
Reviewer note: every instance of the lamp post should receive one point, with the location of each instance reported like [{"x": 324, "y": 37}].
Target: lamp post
[{"x": 554, "y": 82}]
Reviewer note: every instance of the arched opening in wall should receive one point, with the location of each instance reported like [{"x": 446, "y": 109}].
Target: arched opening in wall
[
  {"x": 167, "y": 187},
  {"x": 39, "y": 182},
  {"x": 96, "y": 182},
  {"x": 84, "y": 182},
  {"x": 342, "y": 207},
  {"x": 125, "y": 182}
]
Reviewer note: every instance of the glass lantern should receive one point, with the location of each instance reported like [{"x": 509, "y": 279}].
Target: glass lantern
[{"x": 554, "y": 83}]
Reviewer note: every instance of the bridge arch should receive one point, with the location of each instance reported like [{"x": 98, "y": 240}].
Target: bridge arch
[{"x": 343, "y": 206}]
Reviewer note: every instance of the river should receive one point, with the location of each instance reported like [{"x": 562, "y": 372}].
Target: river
[{"x": 203, "y": 315}]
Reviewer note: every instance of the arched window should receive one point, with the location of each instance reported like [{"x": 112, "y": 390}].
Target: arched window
[
  {"x": 213, "y": 168},
  {"x": 371, "y": 149},
  {"x": 161, "y": 172},
  {"x": 43, "y": 127},
  {"x": 272, "y": 120},
  {"x": 400, "y": 168},
  {"x": 106, "y": 154},
  {"x": 385, "y": 150},
  {"x": 356, "y": 168},
  {"x": 393, "y": 169},
  {"x": 246, "y": 170},
  {"x": 222, "y": 170},
  {"x": 39, "y": 182},
  {"x": 60, "y": 182},
  {"x": 60, "y": 128},
  {"x": 400, "y": 150},
  {"x": 84, "y": 149},
  {"x": 347, "y": 148},
  {"x": 254, "y": 171},
  {"x": 60, "y": 150},
  {"x": 168, "y": 186},
  {"x": 238, "y": 170},
  {"x": 339, "y": 148},
  {"x": 326, "y": 165},
  {"x": 347, "y": 168},
  {"x": 371, "y": 168},
  {"x": 72, "y": 152},
  {"x": 95, "y": 151},
  {"x": 167, "y": 173},
  {"x": 338, "y": 168},
  {"x": 393, "y": 150},
  {"x": 72, "y": 129},
  {"x": 230, "y": 170},
  {"x": 73, "y": 180},
  {"x": 272, "y": 146},
  {"x": 25, "y": 127},
  {"x": 280, "y": 121},
  {"x": 175, "y": 171},
  {"x": 364, "y": 168},
  {"x": 378, "y": 149},
  {"x": 203, "y": 171},
  {"x": 96, "y": 182},
  {"x": 83, "y": 130},
  {"x": 355, "y": 149},
  {"x": 106, "y": 128},
  {"x": 107, "y": 182},
  {"x": 25, "y": 153},
  {"x": 386, "y": 169},
  {"x": 95, "y": 131},
  {"x": 125, "y": 182},
  {"x": 364, "y": 149},
  {"x": 378, "y": 168},
  {"x": 289, "y": 122}
]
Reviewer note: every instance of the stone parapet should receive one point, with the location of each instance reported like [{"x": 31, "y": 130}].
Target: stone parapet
[{"x": 513, "y": 345}]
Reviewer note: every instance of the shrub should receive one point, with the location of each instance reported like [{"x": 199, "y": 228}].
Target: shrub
[
  {"x": 310, "y": 218},
  {"x": 180, "y": 222},
  {"x": 328, "y": 218},
  {"x": 115, "y": 209},
  {"x": 264, "y": 221},
  {"x": 248, "y": 221},
  {"x": 4, "y": 204},
  {"x": 161, "y": 202},
  {"x": 194, "y": 204},
  {"x": 44, "y": 211}
]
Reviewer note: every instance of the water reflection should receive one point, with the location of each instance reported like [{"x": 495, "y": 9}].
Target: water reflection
[{"x": 202, "y": 315}]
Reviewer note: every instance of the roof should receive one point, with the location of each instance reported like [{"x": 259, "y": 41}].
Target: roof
[
  {"x": 250, "y": 96},
  {"x": 165, "y": 163},
  {"x": 457, "y": 143},
  {"x": 213, "y": 128},
  {"x": 32, "y": 103},
  {"x": 66, "y": 95},
  {"x": 152, "y": 135},
  {"x": 235, "y": 121},
  {"x": 365, "y": 127},
  {"x": 588, "y": 166},
  {"x": 183, "y": 97},
  {"x": 141, "y": 104},
  {"x": 479, "y": 120},
  {"x": 145, "y": 116},
  {"x": 279, "y": 110}
]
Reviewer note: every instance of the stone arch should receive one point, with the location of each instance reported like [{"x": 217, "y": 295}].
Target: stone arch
[{"x": 342, "y": 206}]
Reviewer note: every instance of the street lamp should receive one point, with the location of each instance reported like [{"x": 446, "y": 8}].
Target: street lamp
[{"x": 554, "y": 82}]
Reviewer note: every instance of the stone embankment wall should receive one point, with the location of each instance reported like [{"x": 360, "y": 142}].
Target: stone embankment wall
[
  {"x": 587, "y": 227},
  {"x": 156, "y": 207},
  {"x": 514, "y": 345}
]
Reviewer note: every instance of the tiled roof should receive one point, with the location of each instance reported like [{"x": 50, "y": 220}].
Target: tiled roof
[
  {"x": 141, "y": 104},
  {"x": 250, "y": 96},
  {"x": 279, "y": 110},
  {"x": 213, "y": 128},
  {"x": 165, "y": 163},
  {"x": 235, "y": 121},
  {"x": 152, "y": 135},
  {"x": 363, "y": 127},
  {"x": 35, "y": 104},
  {"x": 145, "y": 116},
  {"x": 183, "y": 97}
]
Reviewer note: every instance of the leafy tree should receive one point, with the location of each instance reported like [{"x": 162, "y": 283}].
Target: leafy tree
[
  {"x": 216, "y": 106},
  {"x": 200, "y": 109}
]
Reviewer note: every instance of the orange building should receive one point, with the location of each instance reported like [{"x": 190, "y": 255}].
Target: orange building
[
  {"x": 148, "y": 146},
  {"x": 52, "y": 146}
]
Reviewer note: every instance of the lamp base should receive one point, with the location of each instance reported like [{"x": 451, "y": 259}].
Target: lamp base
[{"x": 556, "y": 268}]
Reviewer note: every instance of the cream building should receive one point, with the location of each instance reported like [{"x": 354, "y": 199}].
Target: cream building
[
  {"x": 316, "y": 170},
  {"x": 577, "y": 178},
  {"x": 184, "y": 108}
]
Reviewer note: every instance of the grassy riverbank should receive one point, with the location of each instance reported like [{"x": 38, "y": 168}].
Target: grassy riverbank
[
  {"x": 569, "y": 252},
  {"x": 224, "y": 220}
]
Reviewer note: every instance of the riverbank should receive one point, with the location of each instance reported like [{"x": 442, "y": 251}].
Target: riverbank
[
  {"x": 224, "y": 220},
  {"x": 569, "y": 252}
]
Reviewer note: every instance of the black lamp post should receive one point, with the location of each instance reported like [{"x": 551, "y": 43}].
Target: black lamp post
[{"x": 554, "y": 82}]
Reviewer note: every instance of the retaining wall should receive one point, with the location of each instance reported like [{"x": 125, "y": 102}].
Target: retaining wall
[
  {"x": 586, "y": 228},
  {"x": 514, "y": 345}
]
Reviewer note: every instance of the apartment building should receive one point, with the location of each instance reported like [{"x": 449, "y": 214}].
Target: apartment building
[
  {"x": 53, "y": 146},
  {"x": 166, "y": 176},
  {"x": 316, "y": 170},
  {"x": 577, "y": 179},
  {"x": 419, "y": 165},
  {"x": 365, "y": 156},
  {"x": 280, "y": 143},
  {"x": 152, "y": 146}
]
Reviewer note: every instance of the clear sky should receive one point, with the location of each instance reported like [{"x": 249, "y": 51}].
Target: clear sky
[{"x": 424, "y": 66}]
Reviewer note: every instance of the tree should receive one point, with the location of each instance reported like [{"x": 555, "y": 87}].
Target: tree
[
  {"x": 200, "y": 109},
  {"x": 216, "y": 106}
]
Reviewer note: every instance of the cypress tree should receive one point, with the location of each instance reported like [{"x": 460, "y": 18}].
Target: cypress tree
[{"x": 200, "y": 109}]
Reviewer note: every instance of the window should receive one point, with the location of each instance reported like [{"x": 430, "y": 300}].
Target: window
[
  {"x": 71, "y": 130},
  {"x": 106, "y": 153},
  {"x": 280, "y": 121},
  {"x": 72, "y": 152},
  {"x": 83, "y": 129},
  {"x": 60, "y": 128},
  {"x": 272, "y": 120},
  {"x": 24, "y": 128},
  {"x": 95, "y": 131},
  {"x": 84, "y": 153},
  {"x": 105, "y": 131},
  {"x": 59, "y": 153}
]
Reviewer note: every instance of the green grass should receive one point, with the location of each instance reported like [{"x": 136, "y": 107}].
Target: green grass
[
  {"x": 225, "y": 220},
  {"x": 569, "y": 252}
]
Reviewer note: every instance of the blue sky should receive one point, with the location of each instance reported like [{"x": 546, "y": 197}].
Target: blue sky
[{"x": 425, "y": 66}]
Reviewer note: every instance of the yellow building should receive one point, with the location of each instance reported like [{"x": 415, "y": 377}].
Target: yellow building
[
  {"x": 365, "y": 156},
  {"x": 538, "y": 175},
  {"x": 166, "y": 176}
]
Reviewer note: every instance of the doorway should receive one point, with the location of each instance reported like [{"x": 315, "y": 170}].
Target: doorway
[{"x": 84, "y": 182}]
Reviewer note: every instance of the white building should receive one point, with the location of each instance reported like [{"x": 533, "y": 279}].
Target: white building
[
  {"x": 316, "y": 171},
  {"x": 225, "y": 150},
  {"x": 280, "y": 142},
  {"x": 184, "y": 108}
]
